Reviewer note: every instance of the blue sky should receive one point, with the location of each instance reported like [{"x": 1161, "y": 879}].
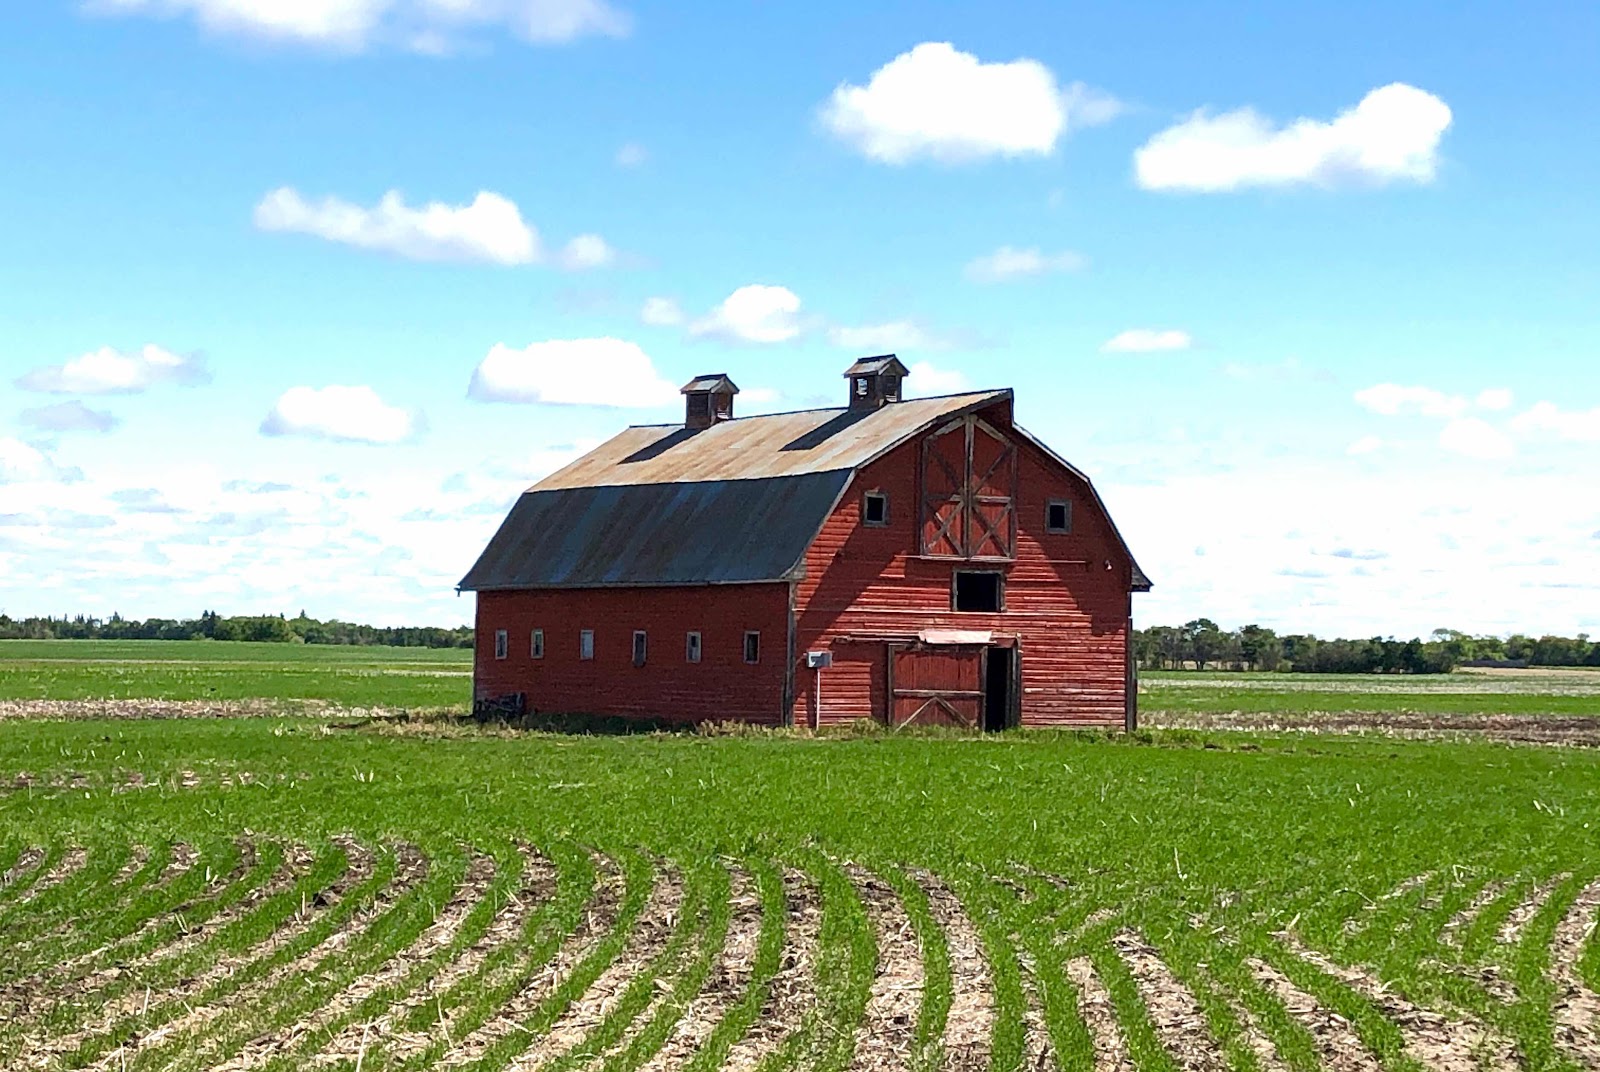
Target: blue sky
[{"x": 1311, "y": 291}]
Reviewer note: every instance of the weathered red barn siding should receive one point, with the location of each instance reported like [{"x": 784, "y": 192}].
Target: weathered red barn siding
[
  {"x": 1069, "y": 611},
  {"x": 669, "y": 687}
]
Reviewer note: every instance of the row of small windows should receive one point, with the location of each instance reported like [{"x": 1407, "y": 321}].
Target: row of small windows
[
  {"x": 875, "y": 512},
  {"x": 693, "y": 646}
]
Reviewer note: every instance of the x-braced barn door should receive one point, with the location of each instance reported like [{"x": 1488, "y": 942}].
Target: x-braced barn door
[
  {"x": 936, "y": 686},
  {"x": 969, "y": 489}
]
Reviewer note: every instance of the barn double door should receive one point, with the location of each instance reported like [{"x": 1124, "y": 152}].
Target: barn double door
[{"x": 964, "y": 686}]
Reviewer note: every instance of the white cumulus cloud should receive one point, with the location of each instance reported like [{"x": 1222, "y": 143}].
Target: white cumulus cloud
[
  {"x": 661, "y": 312},
  {"x": 631, "y": 155},
  {"x": 428, "y": 26},
  {"x": 116, "y": 372},
  {"x": 1495, "y": 398},
  {"x": 1392, "y": 135},
  {"x": 939, "y": 103},
  {"x": 489, "y": 229},
  {"x": 1574, "y": 426},
  {"x": 1009, "y": 262},
  {"x": 1146, "y": 341},
  {"x": 1476, "y": 438},
  {"x": 587, "y": 251},
  {"x": 1367, "y": 444},
  {"x": 346, "y": 414},
  {"x": 19, "y": 461},
  {"x": 755, "y": 313},
  {"x": 574, "y": 372},
  {"x": 924, "y": 379}
]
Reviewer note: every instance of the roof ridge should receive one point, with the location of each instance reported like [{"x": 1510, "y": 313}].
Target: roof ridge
[{"x": 836, "y": 409}]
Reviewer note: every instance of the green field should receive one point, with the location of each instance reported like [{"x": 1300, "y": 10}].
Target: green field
[
  {"x": 194, "y": 670},
  {"x": 323, "y": 891}
]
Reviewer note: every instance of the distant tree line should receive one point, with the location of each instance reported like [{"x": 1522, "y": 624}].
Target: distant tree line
[
  {"x": 1202, "y": 644},
  {"x": 272, "y": 628}
]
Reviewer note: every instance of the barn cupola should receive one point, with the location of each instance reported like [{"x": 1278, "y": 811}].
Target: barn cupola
[
  {"x": 875, "y": 381},
  {"x": 708, "y": 399}
]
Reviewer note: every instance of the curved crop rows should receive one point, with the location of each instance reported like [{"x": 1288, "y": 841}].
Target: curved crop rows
[{"x": 264, "y": 955}]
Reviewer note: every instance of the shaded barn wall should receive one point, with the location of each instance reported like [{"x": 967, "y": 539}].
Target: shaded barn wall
[
  {"x": 668, "y": 687},
  {"x": 1070, "y": 612}
]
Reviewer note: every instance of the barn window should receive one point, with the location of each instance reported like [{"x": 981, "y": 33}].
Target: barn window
[
  {"x": 641, "y": 645},
  {"x": 752, "y": 647},
  {"x": 586, "y": 644},
  {"x": 537, "y": 650},
  {"x": 978, "y": 591},
  {"x": 861, "y": 387},
  {"x": 1058, "y": 516},
  {"x": 502, "y": 643},
  {"x": 875, "y": 508},
  {"x": 691, "y": 650}
]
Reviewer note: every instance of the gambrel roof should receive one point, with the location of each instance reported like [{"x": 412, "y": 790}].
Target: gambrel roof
[{"x": 735, "y": 503}]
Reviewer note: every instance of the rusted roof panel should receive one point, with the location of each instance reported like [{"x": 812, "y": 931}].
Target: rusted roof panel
[
  {"x": 754, "y": 448},
  {"x": 705, "y": 532}
]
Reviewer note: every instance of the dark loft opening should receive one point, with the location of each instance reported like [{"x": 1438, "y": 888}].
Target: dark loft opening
[
  {"x": 875, "y": 508},
  {"x": 1058, "y": 518},
  {"x": 977, "y": 592}
]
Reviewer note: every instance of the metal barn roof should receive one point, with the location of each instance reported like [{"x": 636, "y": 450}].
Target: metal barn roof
[
  {"x": 707, "y": 532},
  {"x": 737, "y": 502},
  {"x": 753, "y": 448}
]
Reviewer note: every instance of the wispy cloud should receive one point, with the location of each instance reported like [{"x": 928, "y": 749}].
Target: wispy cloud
[
  {"x": 117, "y": 372},
  {"x": 1009, "y": 262}
]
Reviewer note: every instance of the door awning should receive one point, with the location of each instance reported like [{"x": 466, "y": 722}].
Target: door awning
[{"x": 980, "y": 637}]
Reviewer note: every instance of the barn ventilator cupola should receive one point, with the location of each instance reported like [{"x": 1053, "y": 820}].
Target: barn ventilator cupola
[
  {"x": 708, "y": 399},
  {"x": 875, "y": 381}
]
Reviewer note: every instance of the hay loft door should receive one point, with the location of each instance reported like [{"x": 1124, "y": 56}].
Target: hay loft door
[{"x": 969, "y": 491}]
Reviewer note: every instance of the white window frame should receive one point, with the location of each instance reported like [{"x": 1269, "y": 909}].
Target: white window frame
[
  {"x": 502, "y": 643},
  {"x": 585, "y": 645},
  {"x": 536, "y": 644},
  {"x": 693, "y": 646},
  {"x": 641, "y": 647},
  {"x": 752, "y": 634}
]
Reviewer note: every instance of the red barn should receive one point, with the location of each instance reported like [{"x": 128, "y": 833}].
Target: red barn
[{"x": 922, "y": 561}]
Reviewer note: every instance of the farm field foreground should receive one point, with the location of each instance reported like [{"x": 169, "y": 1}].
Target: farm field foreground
[{"x": 314, "y": 892}]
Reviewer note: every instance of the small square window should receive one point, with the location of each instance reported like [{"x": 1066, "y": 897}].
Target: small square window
[
  {"x": 752, "y": 647},
  {"x": 861, "y": 387},
  {"x": 537, "y": 649},
  {"x": 586, "y": 644},
  {"x": 978, "y": 592},
  {"x": 875, "y": 509},
  {"x": 502, "y": 643},
  {"x": 641, "y": 645},
  {"x": 1058, "y": 516},
  {"x": 691, "y": 650}
]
